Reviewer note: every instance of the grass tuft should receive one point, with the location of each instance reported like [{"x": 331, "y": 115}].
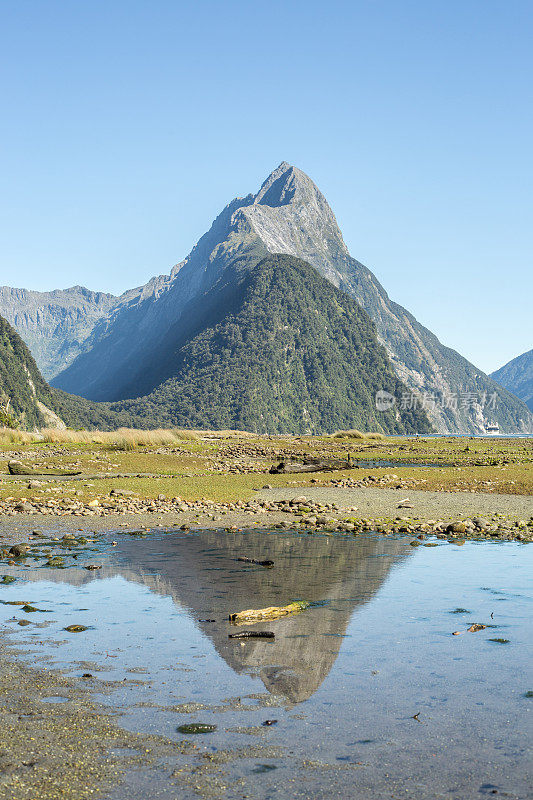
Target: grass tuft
[
  {"x": 11, "y": 436},
  {"x": 356, "y": 434}
]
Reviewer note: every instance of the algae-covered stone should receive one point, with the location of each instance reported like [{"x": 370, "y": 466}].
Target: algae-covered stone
[
  {"x": 19, "y": 550},
  {"x": 196, "y": 728}
]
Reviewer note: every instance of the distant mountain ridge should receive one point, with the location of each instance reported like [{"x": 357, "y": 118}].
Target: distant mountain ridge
[
  {"x": 54, "y": 324},
  {"x": 517, "y": 377},
  {"x": 122, "y": 356}
]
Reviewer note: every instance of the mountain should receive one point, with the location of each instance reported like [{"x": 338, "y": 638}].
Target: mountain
[
  {"x": 287, "y": 215},
  {"x": 274, "y": 348},
  {"x": 54, "y": 324},
  {"x": 26, "y": 398},
  {"x": 57, "y": 325},
  {"x": 517, "y": 377}
]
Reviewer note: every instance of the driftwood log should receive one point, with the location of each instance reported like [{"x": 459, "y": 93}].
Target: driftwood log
[
  {"x": 17, "y": 468},
  {"x": 252, "y": 615},
  {"x": 310, "y": 465},
  {"x": 266, "y": 563}
]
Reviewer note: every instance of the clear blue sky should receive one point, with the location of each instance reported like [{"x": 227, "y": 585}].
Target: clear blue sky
[{"x": 128, "y": 125}]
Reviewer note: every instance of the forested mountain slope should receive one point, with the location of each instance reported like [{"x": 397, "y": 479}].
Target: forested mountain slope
[
  {"x": 274, "y": 348},
  {"x": 27, "y": 400}
]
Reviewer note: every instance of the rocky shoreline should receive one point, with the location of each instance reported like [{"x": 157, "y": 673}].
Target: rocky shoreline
[{"x": 321, "y": 510}]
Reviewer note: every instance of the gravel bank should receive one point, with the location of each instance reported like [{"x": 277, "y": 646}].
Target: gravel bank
[
  {"x": 426, "y": 505},
  {"x": 371, "y": 504}
]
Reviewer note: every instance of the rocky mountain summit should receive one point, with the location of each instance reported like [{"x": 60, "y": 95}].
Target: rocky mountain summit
[{"x": 121, "y": 356}]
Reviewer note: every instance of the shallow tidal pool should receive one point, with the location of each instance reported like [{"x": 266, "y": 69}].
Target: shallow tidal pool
[{"x": 365, "y": 694}]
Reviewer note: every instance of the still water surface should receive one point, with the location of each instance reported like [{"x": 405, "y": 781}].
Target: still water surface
[{"x": 372, "y": 695}]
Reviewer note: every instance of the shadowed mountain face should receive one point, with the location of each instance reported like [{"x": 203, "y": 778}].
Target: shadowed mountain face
[
  {"x": 288, "y": 215},
  {"x": 201, "y": 573}
]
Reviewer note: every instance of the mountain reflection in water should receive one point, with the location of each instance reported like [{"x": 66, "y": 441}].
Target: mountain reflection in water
[{"x": 201, "y": 573}]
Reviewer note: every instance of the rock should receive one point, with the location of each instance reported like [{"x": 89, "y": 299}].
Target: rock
[
  {"x": 456, "y": 527},
  {"x": 19, "y": 550},
  {"x": 196, "y": 727}
]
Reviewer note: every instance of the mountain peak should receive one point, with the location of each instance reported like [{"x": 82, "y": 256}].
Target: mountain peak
[
  {"x": 278, "y": 189},
  {"x": 291, "y": 215},
  {"x": 285, "y": 184}
]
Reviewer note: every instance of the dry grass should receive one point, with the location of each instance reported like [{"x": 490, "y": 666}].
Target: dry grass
[
  {"x": 9, "y": 436},
  {"x": 355, "y": 434},
  {"x": 67, "y": 436},
  {"x": 121, "y": 439}
]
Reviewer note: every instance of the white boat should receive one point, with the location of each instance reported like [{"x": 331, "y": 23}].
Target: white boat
[{"x": 492, "y": 428}]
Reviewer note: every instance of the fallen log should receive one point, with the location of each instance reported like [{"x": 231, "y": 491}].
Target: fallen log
[
  {"x": 309, "y": 465},
  {"x": 17, "y": 468},
  {"x": 252, "y": 615},
  {"x": 247, "y": 560},
  {"x": 252, "y": 635}
]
